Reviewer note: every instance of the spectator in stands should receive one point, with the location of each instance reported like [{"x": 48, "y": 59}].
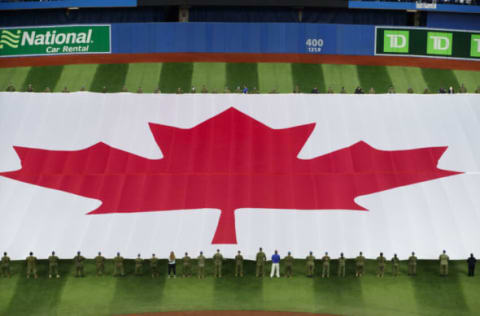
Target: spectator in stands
[
  {"x": 462, "y": 89},
  {"x": 82, "y": 88},
  {"x": 179, "y": 90},
  {"x": 65, "y": 90},
  {"x": 227, "y": 90},
  {"x": 29, "y": 88},
  {"x": 442, "y": 90},
  {"x": 426, "y": 91},
  {"x": 193, "y": 90},
  {"x": 238, "y": 90},
  {"x": 11, "y": 87},
  {"x": 343, "y": 90},
  {"x": 204, "y": 89},
  {"x": 471, "y": 265},
  {"x": 297, "y": 89},
  {"x": 172, "y": 266},
  {"x": 450, "y": 90},
  {"x": 275, "y": 265},
  {"x": 139, "y": 90},
  {"x": 124, "y": 89},
  {"x": 315, "y": 90},
  {"x": 157, "y": 91},
  {"x": 254, "y": 90},
  {"x": 47, "y": 90},
  {"x": 358, "y": 90},
  {"x": 391, "y": 90},
  {"x": 371, "y": 91},
  {"x": 330, "y": 90},
  {"x": 104, "y": 89},
  {"x": 410, "y": 90},
  {"x": 245, "y": 89}
]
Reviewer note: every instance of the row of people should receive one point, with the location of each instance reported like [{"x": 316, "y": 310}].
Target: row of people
[
  {"x": 261, "y": 259},
  {"x": 245, "y": 90}
]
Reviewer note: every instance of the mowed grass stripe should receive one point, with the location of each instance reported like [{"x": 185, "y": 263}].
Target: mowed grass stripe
[
  {"x": 470, "y": 79},
  {"x": 74, "y": 77},
  {"x": 307, "y": 77},
  {"x": 38, "y": 297},
  {"x": 275, "y": 77},
  {"x": 210, "y": 75},
  {"x": 15, "y": 76},
  {"x": 42, "y": 77},
  {"x": 435, "y": 293},
  {"x": 144, "y": 75},
  {"x": 174, "y": 76},
  {"x": 240, "y": 74},
  {"x": 375, "y": 77},
  {"x": 338, "y": 76},
  {"x": 406, "y": 77},
  {"x": 439, "y": 78},
  {"x": 110, "y": 76}
]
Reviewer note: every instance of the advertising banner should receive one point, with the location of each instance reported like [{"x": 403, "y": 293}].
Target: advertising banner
[{"x": 55, "y": 40}]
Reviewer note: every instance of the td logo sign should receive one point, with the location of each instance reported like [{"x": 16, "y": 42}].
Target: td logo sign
[
  {"x": 396, "y": 41},
  {"x": 439, "y": 43}
]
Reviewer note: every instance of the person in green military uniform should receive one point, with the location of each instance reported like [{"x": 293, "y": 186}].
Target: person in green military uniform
[
  {"x": 412, "y": 264},
  {"x": 5, "y": 264},
  {"x": 444, "y": 263},
  {"x": 118, "y": 267},
  {"x": 100, "y": 264},
  {"x": 341, "y": 266},
  {"x": 288, "y": 265},
  {"x": 201, "y": 265},
  {"x": 138, "y": 265},
  {"x": 360, "y": 265},
  {"x": 381, "y": 262},
  {"x": 217, "y": 259},
  {"x": 154, "y": 266},
  {"x": 32, "y": 266},
  {"x": 326, "y": 266},
  {"x": 260, "y": 258},
  {"x": 310, "y": 265},
  {"x": 395, "y": 265},
  {"x": 53, "y": 266},
  {"x": 78, "y": 260},
  {"x": 239, "y": 265},
  {"x": 187, "y": 268}
]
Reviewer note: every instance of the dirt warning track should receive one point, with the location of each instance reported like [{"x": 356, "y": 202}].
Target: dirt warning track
[{"x": 239, "y": 58}]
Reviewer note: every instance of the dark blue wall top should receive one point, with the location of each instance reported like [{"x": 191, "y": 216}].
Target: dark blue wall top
[
  {"x": 453, "y": 20},
  {"x": 287, "y": 38},
  {"x": 67, "y": 4},
  {"x": 387, "y": 5}
]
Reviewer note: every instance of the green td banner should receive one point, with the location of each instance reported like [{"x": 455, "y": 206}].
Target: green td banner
[
  {"x": 427, "y": 42},
  {"x": 55, "y": 40}
]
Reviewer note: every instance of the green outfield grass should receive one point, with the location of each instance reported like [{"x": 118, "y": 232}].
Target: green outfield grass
[
  {"x": 265, "y": 77},
  {"x": 425, "y": 294}
]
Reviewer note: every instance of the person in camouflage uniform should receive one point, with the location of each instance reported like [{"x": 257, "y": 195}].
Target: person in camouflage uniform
[
  {"x": 118, "y": 267},
  {"x": 78, "y": 260},
  {"x": 201, "y": 265},
  {"x": 53, "y": 266},
  {"x": 381, "y": 262},
  {"x": 5, "y": 264},
  {"x": 360, "y": 265},
  {"x": 31, "y": 266},
  {"x": 187, "y": 268},
  {"x": 444, "y": 263},
  {"x": 395, "y": 265},
  {"x": 260, "y": 259},
  {"x": 341, "y": 266},
  {"x": 412, "y": 264},
  {"x": 288, "y": 265},
  {"x": 100, "y": 264},
  {"x": 154, "y": 266},
  {"x": 310, "y": 265},
  {"x": 217, "y": 259},
  {"x": 239, "y": 265},
  {"x": 326, "y": 266},
  {"x": 138, "y": 265}
]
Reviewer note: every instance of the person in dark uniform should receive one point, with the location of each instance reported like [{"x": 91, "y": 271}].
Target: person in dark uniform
[{"x": 471, "y": 265}]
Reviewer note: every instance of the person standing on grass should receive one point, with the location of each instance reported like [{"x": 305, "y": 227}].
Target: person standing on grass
[
  {"x": 172, "y": 265},
  {"x": 239, "y": 265},
  {"x": 326, "y": 266},
  {"x": 217, "y": 260},
  {"x": 187, "y": 270},
  {"x": 154, "y": 266},
  {"x": 310, "y": 265},
  {"x": 5, "y": 263},
  {"x": 201, "y": 265},
  {"x": 288, "y": 265},
  {"x": 275, "y": 265},
  {"x": 32, "y": 266},
  {"x": 360, "y": 265},
  {"x": 471, "y": 265},
  {"x": 412, "y": 264},
  {"x": 118, "y": 265},
  {"x": 261, "y": 258},
  {"x": 443, "y": 263},
  {"x": 381, "y": 261},
  {"x": 138, "y": 265},
  {"x": 100, "y": 264},
  {"x": 395, "y": 265},
  {"x": 78, "y": 260},
  {"x": 53, "y": 266},
  {"x": 341, "y": 266}
]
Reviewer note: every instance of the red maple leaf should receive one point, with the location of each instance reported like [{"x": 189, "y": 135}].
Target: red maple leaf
[{"x": 228, "y": 162}]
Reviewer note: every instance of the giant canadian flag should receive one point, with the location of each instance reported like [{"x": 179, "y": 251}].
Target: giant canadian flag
[{"x": 140, "y": 173}]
